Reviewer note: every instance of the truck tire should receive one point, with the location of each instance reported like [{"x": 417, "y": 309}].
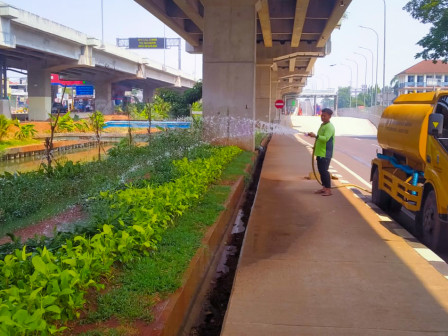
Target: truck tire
[
  {"x": 394, "y": 206},
  {"x": 428, "y": 223},
  {"x": 379, "y": 197}
]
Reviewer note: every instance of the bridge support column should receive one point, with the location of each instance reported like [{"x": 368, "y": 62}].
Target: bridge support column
[
  {"x": 39, "y": 94},
  {"x": 229, "y": 72},
  {"x": 148, "y": 93},
  {"x": 103, "y": 97},
  {"x": 4, "y": 102},
  {"x": 263, "y": 92},
  {"x": 274, "y": 94}
]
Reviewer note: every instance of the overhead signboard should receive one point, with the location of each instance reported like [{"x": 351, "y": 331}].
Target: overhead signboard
[
  {"x": 147, "y": 43},
  {"x": 56, "y": 80},
  {"x": 85, "y": 90}
]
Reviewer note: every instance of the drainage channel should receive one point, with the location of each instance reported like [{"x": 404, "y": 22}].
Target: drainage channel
[{"x": 215, "y": 304}]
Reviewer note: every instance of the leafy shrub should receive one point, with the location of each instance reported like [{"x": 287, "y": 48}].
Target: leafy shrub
[
  {"x": 25, "y": 131},
  {"x": 4, "y": 126},
  {"x": 38, "y": 289}
]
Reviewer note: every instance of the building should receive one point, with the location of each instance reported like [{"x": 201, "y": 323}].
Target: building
[{"x": 424, "y": 76}]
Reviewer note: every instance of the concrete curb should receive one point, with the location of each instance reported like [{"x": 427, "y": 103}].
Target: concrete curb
[{"x": 170, "y": 315}]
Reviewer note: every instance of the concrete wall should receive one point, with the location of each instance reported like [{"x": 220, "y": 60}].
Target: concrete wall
[
  {"x": 371, "y": 113},
  {"x": 5, "y": 108}
]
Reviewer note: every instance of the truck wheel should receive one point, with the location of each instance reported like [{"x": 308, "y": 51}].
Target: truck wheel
[
  {"x": 394, "y": 206},
  {"x": 429, "y": 219},
  {"x": 379, "y": 197}
]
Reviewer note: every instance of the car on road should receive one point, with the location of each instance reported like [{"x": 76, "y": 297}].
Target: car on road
[{"x": 58, "y": 106}]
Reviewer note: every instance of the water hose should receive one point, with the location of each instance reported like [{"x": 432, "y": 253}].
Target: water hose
[{"x": 341, "y": 186}]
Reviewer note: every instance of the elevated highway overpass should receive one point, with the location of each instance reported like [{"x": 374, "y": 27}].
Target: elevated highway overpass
[
  {"x": 42, "y": 47},
  {"x": 255, "y": 51}
]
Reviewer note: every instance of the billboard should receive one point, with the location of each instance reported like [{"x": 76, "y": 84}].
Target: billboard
[
  {"x": 147, "y": 43},
  {"x": 86, "y": 90}
]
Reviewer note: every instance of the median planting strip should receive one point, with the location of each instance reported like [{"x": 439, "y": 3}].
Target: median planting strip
[{"x": 41, "y": 288}]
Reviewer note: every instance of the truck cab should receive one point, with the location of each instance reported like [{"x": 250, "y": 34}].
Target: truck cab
[{"x": 412, "y": 169}]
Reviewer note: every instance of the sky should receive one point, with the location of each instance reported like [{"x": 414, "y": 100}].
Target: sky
[
  {"x": 122, "y": 19},
  {"x": 402, "y": 34},
  {"x": 125, "y": 18}
]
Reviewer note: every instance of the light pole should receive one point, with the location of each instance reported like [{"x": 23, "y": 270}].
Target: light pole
[
  {"x": 371, "y": 53},
  {"x": 384, "y": 54},
  {"x": 357, "y": 75},
  {"x": 377, "y": 46},
  {"x": 102, "y": 25},
  {"x": 351, "y": 79},
  {"x": 365, "y": 76}
]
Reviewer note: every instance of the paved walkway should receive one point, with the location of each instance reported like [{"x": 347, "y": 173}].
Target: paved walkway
[{"x": 314, "y": 265}]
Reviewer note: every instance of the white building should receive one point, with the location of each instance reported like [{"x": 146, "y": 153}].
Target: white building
[{"x": 423, "y": 77}]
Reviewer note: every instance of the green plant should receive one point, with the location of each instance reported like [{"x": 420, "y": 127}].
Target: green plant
[
  {"x": 25, "y": 131},
  {"x": 4, "y": 126},
  {"x": 97, "y": 123},
  {"x": 180, "y": 103},
  {"x": 41, "y": 287},
  {"x": 196, "y": 106},
  {"x": 64, "y": 123}
]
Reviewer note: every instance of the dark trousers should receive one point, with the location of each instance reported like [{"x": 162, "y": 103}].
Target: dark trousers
[{"x": 322, "y": 165}]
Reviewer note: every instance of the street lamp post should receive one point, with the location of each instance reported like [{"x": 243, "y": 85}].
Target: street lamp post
[
  {"x": 384, "y": 54},
  {"x": 365, "y": 76},
  {"x": 102, "y": 24},
  {"x": 377, "y": 47},
  {"x": 371, "y": 53},
  {"x": 357, "y": 75}
]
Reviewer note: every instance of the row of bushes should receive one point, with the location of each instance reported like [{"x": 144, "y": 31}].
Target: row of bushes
[
  {"x": 40, "y": 288},
  {"x": 74, "y": 182}
]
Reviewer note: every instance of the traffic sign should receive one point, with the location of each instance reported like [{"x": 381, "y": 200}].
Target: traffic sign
[
  {"x": 279, "y": 103},
  {"x": 147, "y": 43}
]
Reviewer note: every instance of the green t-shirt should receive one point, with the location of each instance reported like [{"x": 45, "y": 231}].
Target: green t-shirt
[{"x": 325, "y": 141}]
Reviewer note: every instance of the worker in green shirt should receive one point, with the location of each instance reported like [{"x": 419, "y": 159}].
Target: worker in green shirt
[{"x": 323, "y": 150}]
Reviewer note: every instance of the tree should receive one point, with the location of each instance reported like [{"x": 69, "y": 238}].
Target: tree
[
  {"x": 434, "y": 12},
  {"x": 158, "y": 110},
  {"x": 344, "y": 97},
  {"x": 96, "y": 120},
  {"x": 180, "y": 103}
]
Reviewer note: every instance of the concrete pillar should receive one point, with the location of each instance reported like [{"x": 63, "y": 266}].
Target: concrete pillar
[
  {"x": 39, "y": 94},
  {"x": 263, "y": 92},
  {"x": 273, "y": 113},
  {"x": 229, "y": 71},
  {"x": 103, "y": 97},
  {"x": 148, "y": 93}
]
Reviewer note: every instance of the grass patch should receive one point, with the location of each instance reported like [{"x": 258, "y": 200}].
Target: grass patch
[
  {"x": 34, "y": 218},
  {"x": 138, "y": 286},
  {"x": 108, "y": 332},
  {"x": 4, "y": 144},
  {"x": 77, "y": 182},
  {"x": 259, "y": 136}
]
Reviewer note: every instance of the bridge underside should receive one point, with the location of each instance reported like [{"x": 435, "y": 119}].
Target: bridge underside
[
  {"x": 37, "y": 47},
  {"x": 254, "y": 53}
]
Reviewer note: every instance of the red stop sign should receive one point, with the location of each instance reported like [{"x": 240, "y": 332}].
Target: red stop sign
[{"x": 279, "y": 103}]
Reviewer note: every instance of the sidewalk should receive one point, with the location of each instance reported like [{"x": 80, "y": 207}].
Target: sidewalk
[{"x": 314, "y": 265}]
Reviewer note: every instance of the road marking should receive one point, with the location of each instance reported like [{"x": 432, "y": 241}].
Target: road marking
[
  {"x": 306, "y": 143},
  {"x": 353, "y": 173},
  {"x": 428, "y": 254}
]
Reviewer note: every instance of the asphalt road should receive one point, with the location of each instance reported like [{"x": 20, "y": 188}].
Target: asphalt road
[{"x": 352, "y": 161}]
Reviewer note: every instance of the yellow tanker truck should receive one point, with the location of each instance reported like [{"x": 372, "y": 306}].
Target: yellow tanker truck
[{"x": 412, "y": 170}]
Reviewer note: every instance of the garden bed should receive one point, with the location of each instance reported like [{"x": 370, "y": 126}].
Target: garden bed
[{"x": 165, "y": 256}]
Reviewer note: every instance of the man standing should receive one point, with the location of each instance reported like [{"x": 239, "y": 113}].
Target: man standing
[{"x": 323, "y": 150}]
